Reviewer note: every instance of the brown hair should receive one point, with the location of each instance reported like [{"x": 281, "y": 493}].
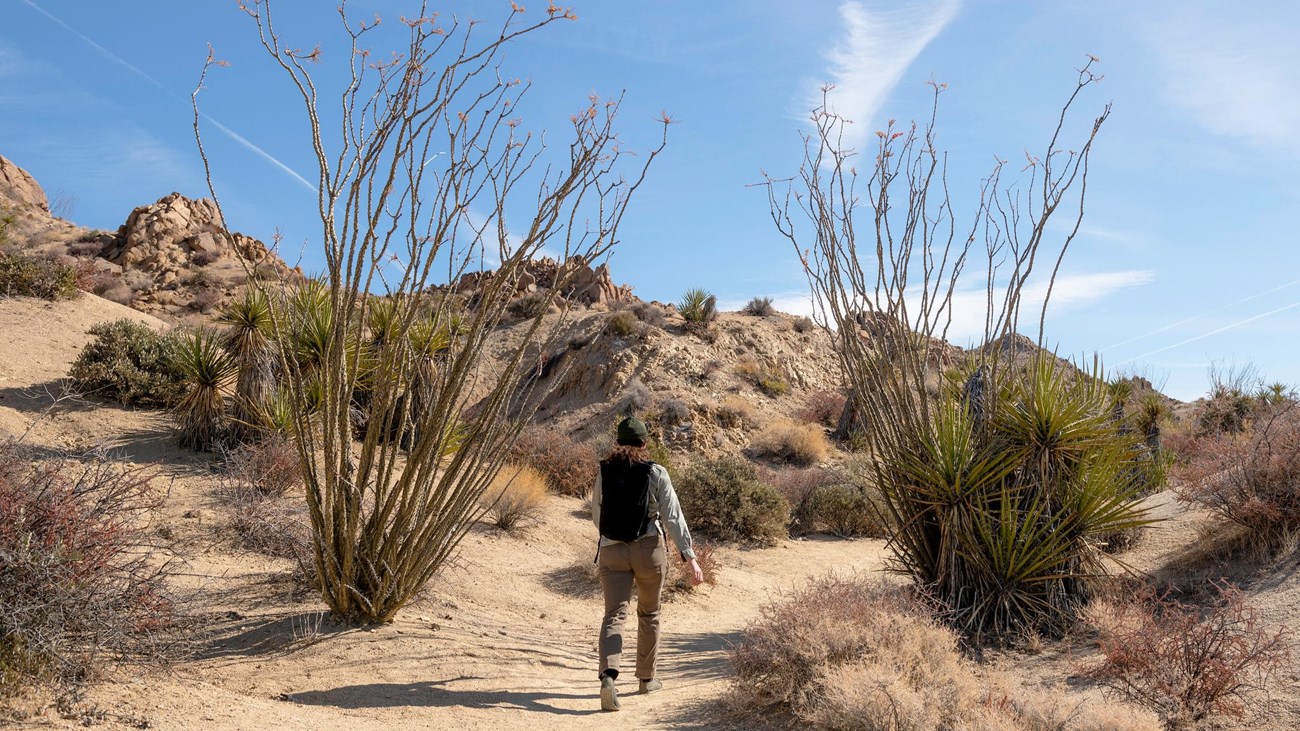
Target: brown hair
[{"x": 629, "y": 454}]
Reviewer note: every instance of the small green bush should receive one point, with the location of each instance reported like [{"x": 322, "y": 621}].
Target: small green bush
[
  {"x": 725, "y": 500},
  {"x": 529, "y": 306},
  {"x": 623, "y": 322},
  {"x": 759, "y": 307},
  {"x": 130, "y": 363},
  {"x": 29, "y": 276},
  {"x": 842, "y": 509}
]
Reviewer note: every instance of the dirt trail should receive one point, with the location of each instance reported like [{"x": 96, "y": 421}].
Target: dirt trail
[{"x": 496, "y": 647}]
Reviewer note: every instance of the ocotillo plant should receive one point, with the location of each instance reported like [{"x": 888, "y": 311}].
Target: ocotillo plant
[
  {"x": 982, "y": 515},
  {"x": 414, "y": 189}
]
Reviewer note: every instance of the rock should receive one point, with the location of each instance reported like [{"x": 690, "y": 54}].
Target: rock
[
  {"x": 177, "y": 233},
  {"x": 19, "y": 189}
]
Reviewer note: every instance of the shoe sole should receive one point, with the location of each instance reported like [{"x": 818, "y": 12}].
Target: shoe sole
[
  {"x": 648, "y": 691},
  {"x": 609, "y": 699}
]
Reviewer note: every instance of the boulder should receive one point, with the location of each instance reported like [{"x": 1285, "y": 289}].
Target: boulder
[{"x": 18, "y": 189}]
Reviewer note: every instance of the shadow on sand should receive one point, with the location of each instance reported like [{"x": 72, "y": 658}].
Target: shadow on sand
[{"x": 437, "y": 694}]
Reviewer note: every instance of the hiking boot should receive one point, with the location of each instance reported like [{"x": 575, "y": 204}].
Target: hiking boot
[
  {"x": 651, "y": 685},
  {"x": 608, "y": 695}
]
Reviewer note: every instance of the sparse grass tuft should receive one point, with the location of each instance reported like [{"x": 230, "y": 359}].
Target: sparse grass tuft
[
  {"x": 734, "y": 412},
  {"x": 622, "y": 323},
  {"x": 515, "y": 496},
  {"x": 800, "y": 444}
]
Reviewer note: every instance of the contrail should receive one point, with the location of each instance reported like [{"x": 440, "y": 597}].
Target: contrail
[
  {"x": 1213, "y": 332},
  {"x": 238, "y": 138},
  {"x": 1194, "y": 318}
]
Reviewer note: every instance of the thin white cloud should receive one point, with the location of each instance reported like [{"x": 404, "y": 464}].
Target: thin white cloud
[
  {"x": 1071, "y": 292},
  {"x": 239, "y": 139},
  {"x": 1232, "y": 68},
  {"x": 879, "y": 44}
]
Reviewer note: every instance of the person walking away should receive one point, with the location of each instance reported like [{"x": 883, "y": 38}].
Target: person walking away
[{"x": 633, "y": 505}]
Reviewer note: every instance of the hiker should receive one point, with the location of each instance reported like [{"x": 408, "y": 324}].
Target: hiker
[{"x": 632, "y": 505}]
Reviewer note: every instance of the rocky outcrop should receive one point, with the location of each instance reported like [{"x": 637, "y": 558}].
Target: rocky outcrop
[
  {"x": 580, "y": 282},
  {"x": 19, "y": 190},
  {"x": 178, "y": 233}
]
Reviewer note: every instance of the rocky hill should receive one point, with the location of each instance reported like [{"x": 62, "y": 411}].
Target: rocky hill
[{"x": 171, "y": 258}]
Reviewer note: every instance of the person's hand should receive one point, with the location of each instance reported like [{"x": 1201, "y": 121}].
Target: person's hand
[{"x": 697, "y": 573}]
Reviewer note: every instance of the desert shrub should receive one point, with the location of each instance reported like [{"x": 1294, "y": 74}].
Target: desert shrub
[
  {"x": 515, "y": 496},
  {"x": 649, "y": 313},
  {"x": 1184, "y": 662},
  {"x": 698, "y": 306},
  {"x": 848, "y": 653},
  {"x": 842, "y": 509},
  {"x": 804, "y": 324},
  {"x": 788, "y": 441},
  {"x": 131, "y": 363},
  {"x": 636, "y": 398},
  {"x": 725, "y": 500},
  {"x": 1225, "y": 412},
  {"x": 623, "y": 323},
  {"x": 734, "y": 412},
  {"x": 78, "y": 579},
  {"x": 674, "y": 411},
  {"x": 765, "y": 378},
  {"x": 530, "y": 306},
  {"x": 569, "y": 467},
  {"x": 269, "y": 467},
  {"x": 267, "y": 524},
  {"x": 796, "y": 484},
  {"x": 29, "y": 276},
  {"x": 823, "y": 407},
  {"x": 759, "y": 307},
  {"x": 679, "y": 575},
  {"x": 1276, "y": 394},
  {"x": 1251, "y": 479}
]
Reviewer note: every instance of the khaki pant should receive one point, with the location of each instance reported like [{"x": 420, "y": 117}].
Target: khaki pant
[{"x": 641, "y": 564}]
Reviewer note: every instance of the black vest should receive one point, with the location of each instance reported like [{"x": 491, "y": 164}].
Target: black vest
[{"x": 624, "y": 500}]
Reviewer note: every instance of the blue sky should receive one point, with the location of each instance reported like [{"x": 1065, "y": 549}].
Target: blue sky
[{"x": 1187, "y": 254}]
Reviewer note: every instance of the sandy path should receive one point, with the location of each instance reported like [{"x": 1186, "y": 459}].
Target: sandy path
[{"x": 495, "y": 649}]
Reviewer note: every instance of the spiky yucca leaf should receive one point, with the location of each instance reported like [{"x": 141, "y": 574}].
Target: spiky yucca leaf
[
  {"x": 693, "y": 305},
  {"x": 208, "y": 368},
  {"x": 248, "y": 342}
]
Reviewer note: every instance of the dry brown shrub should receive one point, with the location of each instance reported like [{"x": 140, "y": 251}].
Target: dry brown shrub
[
  {"x": 849, "y": 653},
  {"x": 569, "y": 467},
  {"x": 515, "y": 496},
  {"x": 1185, "y": 662},
  {"x": 734, "y": 413},
  {"x": 1252, "y": 478},
  {"x": 270, "y": 467},
  {"x": 679, "y": 576},
  {"x": 766, "y": 378},
  {"x": 823, "y": 407},
  {"x": 80, "y": 581},
  {"x": 801, "y": 444}
]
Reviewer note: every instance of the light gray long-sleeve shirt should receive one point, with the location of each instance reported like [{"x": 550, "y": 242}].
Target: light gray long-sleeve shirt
[{"x": 664, "y": 508}]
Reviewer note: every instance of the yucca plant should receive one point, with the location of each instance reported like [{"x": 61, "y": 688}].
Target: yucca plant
[
  {"x": 996, "y": 489},
  {"x": 201, "y": 415},
  {"x": 697, "y": 305},
  {"x": 1004, "y": 525},
  {"x": 248, "y": 340}
]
